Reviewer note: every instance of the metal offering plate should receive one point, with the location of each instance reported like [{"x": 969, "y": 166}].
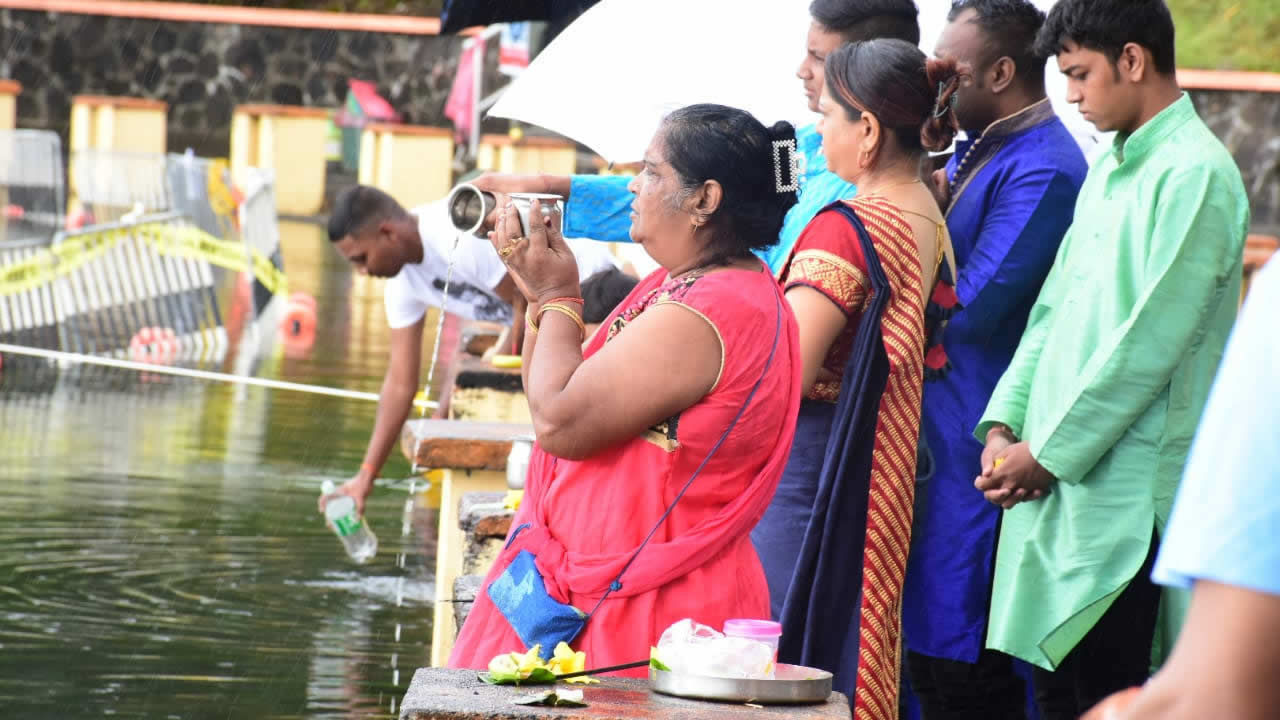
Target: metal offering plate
[{"x": 791, "y": 685}]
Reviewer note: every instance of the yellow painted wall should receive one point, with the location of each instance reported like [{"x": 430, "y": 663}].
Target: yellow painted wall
[
  {"x": 530, "y": 155},
  {"x": 412, "y": 163},
  {"x": 289, "y": 140},
  {"x": 451, "y": 542},
  {"x": 126, "y": 124},
  {"x": 9, "y": 90}
]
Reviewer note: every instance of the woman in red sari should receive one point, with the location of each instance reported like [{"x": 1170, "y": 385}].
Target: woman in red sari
[
  {"x": 704, "y": 344},
  {"x": 835, "y": 540}
]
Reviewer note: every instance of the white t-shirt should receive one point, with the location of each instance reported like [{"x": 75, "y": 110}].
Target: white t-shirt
[{"x": 477, "y": 270}]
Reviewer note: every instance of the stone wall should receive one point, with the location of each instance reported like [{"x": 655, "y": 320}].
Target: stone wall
[
  {"x": 1248, "y": 123},
  {"x": 203, "y": 70}
]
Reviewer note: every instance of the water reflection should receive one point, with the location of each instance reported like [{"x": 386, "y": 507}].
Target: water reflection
[{"x": 160, "y": 552}]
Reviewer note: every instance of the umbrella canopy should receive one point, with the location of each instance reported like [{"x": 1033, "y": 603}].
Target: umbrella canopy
[
  {"x": 610, "y": 77},
  {"x": 459, "y": 14}
]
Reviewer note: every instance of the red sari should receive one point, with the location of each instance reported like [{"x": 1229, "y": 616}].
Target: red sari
[{"x": 589, "y": 516}]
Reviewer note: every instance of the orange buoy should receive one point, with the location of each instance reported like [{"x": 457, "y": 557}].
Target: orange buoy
[{"x": 298, "y": 326}]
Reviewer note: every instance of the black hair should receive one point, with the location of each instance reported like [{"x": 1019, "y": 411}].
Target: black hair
[
  {"x": 866, "y": 19},
  {"x": 1010, "y": 28},
  {"x": 358, "y": 207},
  {"x": 910, "y": 94},
  {"x": 1108, "y": 25},
  {"x": 713, "y": 142},
  {"x": 602, "y": 292}
]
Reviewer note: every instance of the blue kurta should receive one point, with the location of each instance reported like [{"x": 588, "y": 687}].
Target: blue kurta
[
  {"x": 1013, "y": 193},
  {"x": 600, "y": 206}
]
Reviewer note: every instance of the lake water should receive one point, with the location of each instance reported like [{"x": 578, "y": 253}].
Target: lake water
[{"x": 160, "y": 551}]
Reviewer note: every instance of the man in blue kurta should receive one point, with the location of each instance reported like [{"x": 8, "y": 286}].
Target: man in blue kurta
[
  {"x": 600, "y": 206},
  {"x": 1088, "y": 430},
  {"x": 1011, "y": 186}
]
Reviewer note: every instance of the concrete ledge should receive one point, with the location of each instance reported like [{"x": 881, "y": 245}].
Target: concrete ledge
[
  {"x": 433, "y": 443},
  {"x": 476, "y": 373},
  {"x": 444, "y": 694},
  {"x": 1229, "y": 80},
  {"x": 284, "y": 111},
  {"x": 1258, "y": 250},
  {"x": 465, "y": 589},
  {"x": 129, "y": 103},
  {"x": 477, "y": 337},
  {"x": 482, "y": 515}
]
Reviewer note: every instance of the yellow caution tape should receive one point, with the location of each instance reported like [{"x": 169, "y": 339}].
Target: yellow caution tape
[
  {"x": 177, "y": 240},
  {"x": 192, "y": 242},
  {"x": 49, "y": 263}
]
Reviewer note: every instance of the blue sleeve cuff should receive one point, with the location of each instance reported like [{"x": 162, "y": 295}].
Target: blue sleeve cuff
[{"x": 599, "y": 208}]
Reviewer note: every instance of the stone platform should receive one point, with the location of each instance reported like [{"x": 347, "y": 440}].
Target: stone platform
[{"x": 441, "y": 694}]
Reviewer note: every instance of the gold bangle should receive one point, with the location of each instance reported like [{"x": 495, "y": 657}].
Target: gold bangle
[
  {"x": 530, "y": 321},
  {"x": 567, "y": 312}
]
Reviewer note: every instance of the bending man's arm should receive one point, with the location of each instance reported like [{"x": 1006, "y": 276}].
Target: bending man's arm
[{"x": 394, "y": 402}]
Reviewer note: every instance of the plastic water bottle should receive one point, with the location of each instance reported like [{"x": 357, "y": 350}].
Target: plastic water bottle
[{"x": 354, "y": 532}]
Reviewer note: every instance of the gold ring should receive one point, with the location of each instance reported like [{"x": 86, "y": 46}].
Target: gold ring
[{"x": 505, "y": 252}]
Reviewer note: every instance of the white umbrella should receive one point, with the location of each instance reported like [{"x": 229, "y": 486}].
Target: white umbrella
[{"x": 610, "y": 77}]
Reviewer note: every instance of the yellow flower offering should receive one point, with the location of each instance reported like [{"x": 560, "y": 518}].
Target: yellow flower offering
[
  {"x": 512, "y": 501},
  {"x": 518, "y": 667},
  {"x": 565, "y": 661}
]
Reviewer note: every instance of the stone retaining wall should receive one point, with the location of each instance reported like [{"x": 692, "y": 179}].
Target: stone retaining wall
[
  {"x": 1248, "y": 123},
  {"x": 204, "y": 69}
]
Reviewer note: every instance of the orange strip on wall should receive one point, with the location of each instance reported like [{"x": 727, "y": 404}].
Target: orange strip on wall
[{"x": 230, "y": 14}]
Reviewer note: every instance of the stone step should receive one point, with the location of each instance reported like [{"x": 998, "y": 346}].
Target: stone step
[{"x": 447, "y": 694}]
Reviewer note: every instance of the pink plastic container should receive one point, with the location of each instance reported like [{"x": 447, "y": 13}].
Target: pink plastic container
[{"x": 765, "y": 631}]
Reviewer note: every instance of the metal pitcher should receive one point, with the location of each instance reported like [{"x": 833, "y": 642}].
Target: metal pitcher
[{"x": 468, "y": 206}]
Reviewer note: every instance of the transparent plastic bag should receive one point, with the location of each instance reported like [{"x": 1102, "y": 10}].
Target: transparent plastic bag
[{"x": 687, "y": 647}]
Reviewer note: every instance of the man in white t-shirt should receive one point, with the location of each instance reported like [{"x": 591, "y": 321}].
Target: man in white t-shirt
[{"x": 413, "y": 249}]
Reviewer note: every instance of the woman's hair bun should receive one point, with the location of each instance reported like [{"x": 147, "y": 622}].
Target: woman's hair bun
[
  {"x": 940, "y": 127},
  {"x": 782, "y": 130}
]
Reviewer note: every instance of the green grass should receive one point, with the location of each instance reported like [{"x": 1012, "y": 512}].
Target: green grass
[{"x": 1228, "y": 34}]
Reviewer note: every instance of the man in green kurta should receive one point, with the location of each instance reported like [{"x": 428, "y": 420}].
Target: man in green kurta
[{"x": 1088, "y": 430}]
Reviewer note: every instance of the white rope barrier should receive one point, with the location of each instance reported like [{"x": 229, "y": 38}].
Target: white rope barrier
[{"x": 60, "y": 356}]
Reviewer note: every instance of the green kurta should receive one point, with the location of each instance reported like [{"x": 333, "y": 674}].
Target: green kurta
[{"x": 1111, "y": 375}]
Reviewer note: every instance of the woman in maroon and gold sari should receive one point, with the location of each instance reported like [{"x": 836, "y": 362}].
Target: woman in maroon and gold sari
[{"x": 834, "y": 542}]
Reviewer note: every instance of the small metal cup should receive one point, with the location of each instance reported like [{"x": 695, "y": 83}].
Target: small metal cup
[
  {"x": 468, "y": 207},
  {"x": 550, "y": 204}
]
